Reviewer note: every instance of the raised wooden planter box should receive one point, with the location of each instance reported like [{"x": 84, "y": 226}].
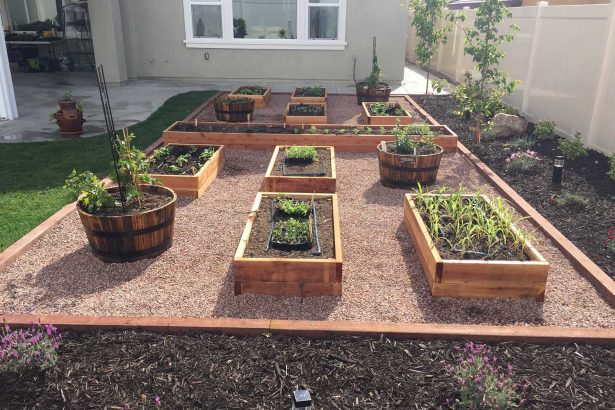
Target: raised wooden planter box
[
  {"x": 305, "y": 119},
  {"x": 309, "y": 184},
  {"x": 385, "y": 120},
  {"x": 260, "y": 101},
  {"x": 195, "y": 185},
  {"x": 444, "y": 137},
  {"x": 307, "y": 100},
  {"x": 286, "y": 276},
  {"x": 475, "y": 278}
]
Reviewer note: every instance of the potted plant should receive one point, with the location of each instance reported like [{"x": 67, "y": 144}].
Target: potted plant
[
  {"x": 410, "y": 159},
  {"x": 70, "y": 116},
  {"x": 373, "y": 89},
  {"x": 233, "y": 109},
  {"x": 128, "y": 222}
]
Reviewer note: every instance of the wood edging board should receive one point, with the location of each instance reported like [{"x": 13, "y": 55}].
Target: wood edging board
[
  {"x": 475, "y": 278},
  {"x": 195, "y": 185},
  {"x": 304, "y": 277},
  {"x": 320, "y": 329},
  {"x": 430, "y": 120},
  {"x": 447, "y": 139},
  {"x": 592, "y": 272},
  {"x": 311, "y": 184},
  {"x": 305, "y": 119},
  {"x": 260, "y": 101}
]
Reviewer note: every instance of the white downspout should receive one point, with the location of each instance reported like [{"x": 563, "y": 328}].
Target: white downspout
[{"x": 8, "y": 105}]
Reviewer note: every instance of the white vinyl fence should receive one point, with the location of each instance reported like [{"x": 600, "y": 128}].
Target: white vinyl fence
[{"x": 565, "y": 59}]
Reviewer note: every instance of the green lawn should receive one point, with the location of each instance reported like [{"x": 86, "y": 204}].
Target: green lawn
[{"x": 32, "y": 174}]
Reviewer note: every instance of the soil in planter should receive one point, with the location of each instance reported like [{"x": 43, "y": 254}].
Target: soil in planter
[
  {"x": 203, "y": 370},
  {"x": 310, "y": 92},
  {"x": 168, "y": 164},
  {"x": 304, "y": 167},
  {"x": 308, "y": 110},
  {"x": 148, "y": 201},
  {"x": 422, "y": 149},
  {"x": 585, "y": 176},
  {"x": 262, "y": 226},
  {"x": 392, "y": 110}
]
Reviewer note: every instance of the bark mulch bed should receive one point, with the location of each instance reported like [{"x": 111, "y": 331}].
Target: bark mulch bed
[
  {"x": 118, "y": 370},
  {"x": 341, "y": 109},
  {"x": 297, "y": 168},
  {"x": 586, "y": 176}
]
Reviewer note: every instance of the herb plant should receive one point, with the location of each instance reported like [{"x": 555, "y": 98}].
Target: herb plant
[
  {"x": 301, "y": 153},
  {"x": 311, "y": 91},
  {"x": 291, "y": 231},
  {"x": 521, "y": 143},
  {"x": 407, "y": 144},
  {"x": 35, "y": 346},
  {"x": 306, "y": 109},
  {"x": 522, "y": 162},
  {"x": 386, "y": 110},
  {"x": 234, "y": 100},
  {"x": 481, "y": 382},
  {"x": 91, "y": 189},
  {"x": 133, "y": 167},
  {"x": 253, "y": 90},
  {"x": 544, "y": 130},
  {"x": 573, "y": 149},
  {"x": 294, "y": 208},
  {"x": 573, "y": 202}
]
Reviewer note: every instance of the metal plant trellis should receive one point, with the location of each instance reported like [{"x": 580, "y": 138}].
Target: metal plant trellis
[{"x": 113, "y": 139}]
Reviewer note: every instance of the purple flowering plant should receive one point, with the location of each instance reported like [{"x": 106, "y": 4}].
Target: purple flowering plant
[
  {"x": 481, "y": 382},
  {"x": 35, "y": 346},
  {"x": 522, "y": 161}
]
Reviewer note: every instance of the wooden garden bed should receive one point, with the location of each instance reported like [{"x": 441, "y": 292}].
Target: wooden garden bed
[
  {"x": 295, "y": 98},
  {"x": 276, "y": 182},
  {"x": 259, "y": 136},
  {"x": 475, "y": 278},
  {"x": 385, "y": 120},
  {"x": 291, "y": 275},
  {"x": 260, "y": 100},
  {"x": 293, "y": 119},
  {"x": 195, "y": 185}
]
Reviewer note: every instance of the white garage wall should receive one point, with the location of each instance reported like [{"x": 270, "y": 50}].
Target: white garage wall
[{"x": 565, "y": 59}]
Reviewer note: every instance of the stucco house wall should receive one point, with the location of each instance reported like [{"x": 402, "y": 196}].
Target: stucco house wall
[{"x": 152, "y": 33}]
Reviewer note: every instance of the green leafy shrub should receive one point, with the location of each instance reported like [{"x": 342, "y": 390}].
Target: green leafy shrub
[
  {"x": 521, "y": 143},
  {"x": 522, "y": 162},
  {"x": 406, "y": 144},
  {"x": 544, "y": 130},
  {"x": 291, "y": 231},
  {"x": 301, "y": 153},
  {"x": 611, "y": 173},
  {"x": 572, "y": 202},
  {"x": 91, "y": 190},
  {"x": 252, "y": 90},
  {"x": 293, "y": 207},
  {"x": 573, "y": 149}
]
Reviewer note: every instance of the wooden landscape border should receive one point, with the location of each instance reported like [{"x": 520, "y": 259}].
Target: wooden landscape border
[
  {"x": 287, "y": 276},
  {"x": 309, "y": 184},
  {"x": 307, "y": 100},
  {"x": 384, "y": 120},
  {"x": 195, "y": 185},
  {"x": 445, "y": 137},
  {"x": 305, "y": 119},
  {"x": 475, "y": 278},
  {"x": 260, "y": 101}
]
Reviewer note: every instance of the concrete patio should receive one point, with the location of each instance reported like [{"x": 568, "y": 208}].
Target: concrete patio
[{"x": 132, "y": 101}]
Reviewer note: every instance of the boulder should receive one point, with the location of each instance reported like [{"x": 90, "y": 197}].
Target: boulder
[{"x": 506, "y": 125}]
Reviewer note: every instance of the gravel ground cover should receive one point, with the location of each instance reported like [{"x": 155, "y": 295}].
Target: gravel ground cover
[
  {"x": 383, "y": 279},
  {"x": 119, "y": 370},
  {"x": 341, "y": 109}
]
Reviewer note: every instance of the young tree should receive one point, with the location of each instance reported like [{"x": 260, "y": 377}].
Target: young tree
[
  {"x": 427, "y": 13},
  {"x": 482, "y": 97}
]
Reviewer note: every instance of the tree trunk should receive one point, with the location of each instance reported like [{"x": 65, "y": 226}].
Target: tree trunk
[{"x": 427, "y": 85}]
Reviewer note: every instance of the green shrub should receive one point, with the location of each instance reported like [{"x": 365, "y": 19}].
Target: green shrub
[
  {"x": 544, "y": 130},
  {"x": 611, "y": 173},
  {"x": 292, "y": 207},
  {"x": 291, "y": 231},
  {"x": 522, "y": 162},
  {"x": 91, "y": 190},
  {"x": 521, "y": 143},
  {"x": 301, "y": 153},
  {"x": 573, "y": 149},
  {"x": 572, "y": 202}
]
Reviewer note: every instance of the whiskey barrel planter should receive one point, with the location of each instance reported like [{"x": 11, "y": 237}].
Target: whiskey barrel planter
[
  {"x": 129, "y": 238},
  {"x": 234, "y": 109},
  {"x": 405, "y": 171},
  {"x": 378, "y": 94}
]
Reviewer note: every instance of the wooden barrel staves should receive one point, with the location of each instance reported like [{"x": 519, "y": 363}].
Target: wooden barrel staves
[
  {"x": 406, "y": 171},
  {"x": 379, "y": 94},
  {"x": 234, "y": 110},
  {"x": 129, "y": 238}
]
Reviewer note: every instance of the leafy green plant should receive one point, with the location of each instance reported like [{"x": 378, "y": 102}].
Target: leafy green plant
[
  {"x": 234, "y": 100},
  {"x": 239, "y": 28},
  {"x": 522, "y": 162},
  {"x": 418, "y": 129},
  {"x": 292, "y": 207},
  {"x": 302, "y": 153},
  {"x": 183, "y": 159},
  {"x": 252, "y": 90},
  {"x": 291, "y": 231},
  {"x": 311, "y": 91},
  {"x": 374, "y": 80},
  {"x": 573, "y": 202},
  {"x": 406, "y": 144},
  {"x": 429, "y": 34},
  {"x": 306, "y": 109},
  {"x": 573, "y": 149},
  {"x": 611, "y": 172},
  {"x": 313, "y": 130},
  {"x": 544, "y": 130},
  {"x": 133, "y": 167},
  {"x": 482, "y": 97},
  {"x": 90, "y": 189},
  {"x": 386, "y": 110},
  {"x": 521, "y": 143},
  {"x": 207, "y": 154},
  {"x": 161, "y": 153}
]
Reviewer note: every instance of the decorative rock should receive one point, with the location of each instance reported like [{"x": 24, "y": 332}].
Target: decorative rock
[{"x": 506, "y": 125}]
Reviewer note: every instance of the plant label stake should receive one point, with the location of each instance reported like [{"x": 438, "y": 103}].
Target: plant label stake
[{"x": 111, "y": 135}]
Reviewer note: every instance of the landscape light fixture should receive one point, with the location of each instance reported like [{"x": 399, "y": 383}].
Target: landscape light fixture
[
  {"x": 558, "y": 170},
  {"x": 302, "y": 400}
]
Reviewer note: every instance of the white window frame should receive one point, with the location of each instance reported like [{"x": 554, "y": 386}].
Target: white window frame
[{"x": 302, "y": 42}]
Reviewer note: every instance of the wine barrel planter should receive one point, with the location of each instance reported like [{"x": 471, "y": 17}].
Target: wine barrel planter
[
  {"x": 234, "y": 110},
  {"x": 405, "y": 171},
  {"x": 69, "y": 119},
  {"x": 129, "y": 238},
  {"x": 379, "y": 94}
]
